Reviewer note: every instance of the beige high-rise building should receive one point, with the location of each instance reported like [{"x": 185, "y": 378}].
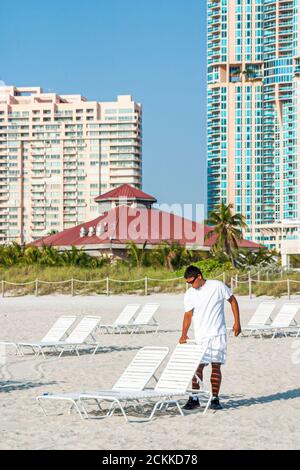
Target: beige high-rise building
[{"x": 59, "y": 152}]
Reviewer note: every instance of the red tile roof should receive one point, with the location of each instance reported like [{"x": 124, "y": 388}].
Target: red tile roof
[
  {"x": 125, "y": 191},
  {"x": 124, "y": 224},
  {"x": 242, "y": 243}
]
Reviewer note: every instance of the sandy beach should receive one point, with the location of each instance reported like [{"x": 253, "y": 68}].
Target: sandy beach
[{"x": 260, "y": 391}]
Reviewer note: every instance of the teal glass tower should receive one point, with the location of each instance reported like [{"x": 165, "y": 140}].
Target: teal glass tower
[{"x": 253, "y": 114}]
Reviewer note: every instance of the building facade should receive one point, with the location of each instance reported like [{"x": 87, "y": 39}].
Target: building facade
[
  {"x": 57, "y": 153},
  {"x": 253, "y": 114},
  {"x": 126, "y": 215}
]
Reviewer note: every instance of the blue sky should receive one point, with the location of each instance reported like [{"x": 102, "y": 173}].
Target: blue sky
[{"x": 154, "y": 50}]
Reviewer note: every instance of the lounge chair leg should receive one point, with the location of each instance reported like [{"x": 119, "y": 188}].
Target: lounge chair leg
[
  {"x": 99, "y": 406},
  {"x": 42, "y": 352},
  {"x": 41, "y": 406},
  {"x": 112, "y": 409},
  {"x": 208, "y": 403},
  {"x": 71, "y": 408},
  {"x": 179, "y": 408},
  {"x": 157, "y": 405},
  {"x": 74, "y": 405},
  {"x": 83, "y": 408},
  {"x": 122, "y": 410},
  {"x": 77, "y": 408}
]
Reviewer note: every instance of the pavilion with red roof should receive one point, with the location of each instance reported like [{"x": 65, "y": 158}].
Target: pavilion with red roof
[
  {"x": 127, "y": 214},
  {"x": 125, "y": 191}
]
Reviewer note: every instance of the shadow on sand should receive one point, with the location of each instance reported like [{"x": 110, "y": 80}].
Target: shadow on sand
[
  {"x": 83, "y": 352},
  {"x": 288, "y": 395},
  {"x": 13, "y": 385},
  {"x": 101, "y": 350}
]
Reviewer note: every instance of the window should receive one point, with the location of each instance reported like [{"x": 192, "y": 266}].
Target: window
[
  {"x": 110, "y": 111},
  {"x": 126, "y": 111}
]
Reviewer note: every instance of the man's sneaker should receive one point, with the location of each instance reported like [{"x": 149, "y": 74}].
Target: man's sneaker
[
  {"x": 215, "y": 404},
  {"x": 191, "y": 404}
]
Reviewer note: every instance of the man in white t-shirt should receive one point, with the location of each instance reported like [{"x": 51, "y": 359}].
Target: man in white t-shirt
[{"x": 204, "y": 305}]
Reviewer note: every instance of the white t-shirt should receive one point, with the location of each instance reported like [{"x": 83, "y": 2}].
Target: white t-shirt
[{"x": 207, "y": 304}]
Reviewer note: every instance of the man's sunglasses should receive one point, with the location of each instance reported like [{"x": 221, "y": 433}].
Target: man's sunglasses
[{"x": 192, "y": 282}]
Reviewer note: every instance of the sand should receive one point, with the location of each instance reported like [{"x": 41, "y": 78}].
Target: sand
[{"x": 260, "y": 391}]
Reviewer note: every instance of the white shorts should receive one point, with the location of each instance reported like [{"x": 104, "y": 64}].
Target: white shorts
[{"x": 216, "y": 351}]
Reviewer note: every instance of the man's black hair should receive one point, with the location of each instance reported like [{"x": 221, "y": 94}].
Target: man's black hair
[{"x": 192, "y": 271}]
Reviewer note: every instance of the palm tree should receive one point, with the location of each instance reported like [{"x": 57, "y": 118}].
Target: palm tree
[
  {"x": 172, "y": 255},
  {"x": 263, "y": 258},
  {"x": 247, "y": 73},
  {"x": 75, "y": 257},
  {"x": 11, "y": 254},
  {"x": 136, "y": 256},
  {"x": 31, "y": 255},
  {"x": 50, "y": 256},
  {"x": 228, "y": 230}
]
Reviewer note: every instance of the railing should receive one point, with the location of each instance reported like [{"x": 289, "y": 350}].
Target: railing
[
  {"x": 104, "y": 286},
  {"x": 246, "y": 284},
  {"x": 287, "y": 286}
]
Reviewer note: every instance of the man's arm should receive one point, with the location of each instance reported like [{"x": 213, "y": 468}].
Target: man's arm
[
  {"x": 236, "y": 313},
  {"x": 185, "y": 327}
]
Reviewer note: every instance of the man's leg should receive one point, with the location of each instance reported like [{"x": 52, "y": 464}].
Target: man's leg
[
  {"x": 193, "y": 401},
  {"x": 199, "y": 373},
  {"x": 215, "y": 379}
]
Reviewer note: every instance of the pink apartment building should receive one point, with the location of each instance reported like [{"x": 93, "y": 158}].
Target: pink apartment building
[{"x": 57, "y": 153}]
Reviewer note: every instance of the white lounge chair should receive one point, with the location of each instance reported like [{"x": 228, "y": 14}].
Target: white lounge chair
[
  {"x": 261, "y": 317},
  {"x": 134, "y": 379},
  {"x": 173, "y": 383},
  {"x": 121, "y": 323},
  {"x": 79, "y": 336},
  {"x": 145, "y": 320},
  {"x": 284, "y": 320},
  {"x": 56, "y": 333}
]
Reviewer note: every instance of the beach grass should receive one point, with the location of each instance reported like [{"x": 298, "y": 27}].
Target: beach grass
[{"x": 136, "y": 280}]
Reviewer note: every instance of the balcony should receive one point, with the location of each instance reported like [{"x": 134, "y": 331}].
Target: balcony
[
  {"x": 286, "y": 24},
  {"x": 36, "y": 228},
  {"x": 39, "y": 220},
  {"x": 297, "y": 70},
  {"x": 40, "y": 205}
]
